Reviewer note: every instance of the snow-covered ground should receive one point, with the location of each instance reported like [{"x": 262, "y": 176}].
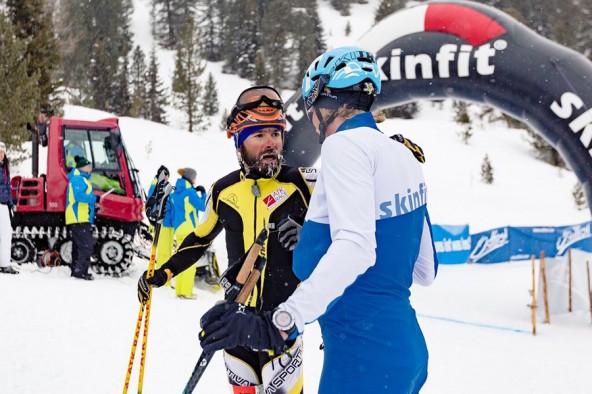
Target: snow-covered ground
[{"x": 60, "y": 335}]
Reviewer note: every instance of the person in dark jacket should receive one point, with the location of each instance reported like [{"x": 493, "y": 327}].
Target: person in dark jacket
[
  {"x": 5, "y": 213},
  {"x": 263, "y": 191},
  {"x": 80, "y": 216}
]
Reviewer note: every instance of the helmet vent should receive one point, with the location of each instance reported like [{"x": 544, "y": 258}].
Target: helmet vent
[
  {"x": 328, "y": 60},
  {"x": 339, "y": 67}
]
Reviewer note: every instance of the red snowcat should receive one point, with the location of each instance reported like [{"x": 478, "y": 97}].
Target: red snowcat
[{"x": 40, "y": 234}]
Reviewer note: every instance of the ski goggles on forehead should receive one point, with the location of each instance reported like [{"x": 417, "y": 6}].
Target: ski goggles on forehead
[
  {"x": 256, "y": 97},
  {"x": 315, "y": 92}
]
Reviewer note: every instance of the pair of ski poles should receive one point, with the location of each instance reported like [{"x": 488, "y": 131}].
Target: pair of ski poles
[
  {"x": 245, "y": 282},
  {"x": 144, "y": 312}
]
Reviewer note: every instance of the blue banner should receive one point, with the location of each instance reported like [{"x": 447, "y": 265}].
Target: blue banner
[
  {"x": 453, "y": 243},
  {"x": 573, "y": 237},
  {"x": 526, "y": 241},
  {"x": 492, "y": 246},
  {"x": 519, "y": 243}
]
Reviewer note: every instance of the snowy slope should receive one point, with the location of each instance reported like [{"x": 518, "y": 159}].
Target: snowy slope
[{"x": 58, "y": 335}]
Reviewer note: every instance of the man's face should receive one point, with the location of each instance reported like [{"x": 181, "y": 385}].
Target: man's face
[
  {"x": 87, "y": 168},
  {"x": 262, "y": 151},
  {"x": 2, "y": 155}
]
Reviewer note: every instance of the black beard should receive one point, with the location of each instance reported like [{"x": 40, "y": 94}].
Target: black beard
[{"x": 253, "y": 164}]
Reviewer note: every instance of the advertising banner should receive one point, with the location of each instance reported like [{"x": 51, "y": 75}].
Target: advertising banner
[
  {"x": 492, "y": 246},
  {"x": 519, "y": 243},
  {"x": 453, "y": 243}
]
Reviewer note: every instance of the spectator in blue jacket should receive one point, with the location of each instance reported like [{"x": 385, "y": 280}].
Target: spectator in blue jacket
[
  {"x": 80, "y": 216},
  {"x": 186, "y": 203},
  {"x": 5, "y": 213}
]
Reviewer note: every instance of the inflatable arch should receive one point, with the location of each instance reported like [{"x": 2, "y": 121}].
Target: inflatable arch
[{"x": 473, "y": 52}]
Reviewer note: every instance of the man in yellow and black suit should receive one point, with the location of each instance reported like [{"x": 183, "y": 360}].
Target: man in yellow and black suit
[
  {"x": 80, "y": 215},
  {"x": 243, "y": 203}
]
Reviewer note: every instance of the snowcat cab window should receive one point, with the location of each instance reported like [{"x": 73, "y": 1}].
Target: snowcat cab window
[
  {"x": 97, "y": 147},
  {"x": 75, "y": 144},
  {"x": 104, "y": 154}
]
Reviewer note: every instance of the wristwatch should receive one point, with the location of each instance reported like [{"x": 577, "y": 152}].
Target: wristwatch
[{"x": 283, "y": 321}]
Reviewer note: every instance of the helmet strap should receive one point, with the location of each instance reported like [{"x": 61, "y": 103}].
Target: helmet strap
[{"x": 324, "y": 123}]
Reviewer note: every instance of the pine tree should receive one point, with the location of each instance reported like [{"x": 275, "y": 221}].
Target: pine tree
[
  {"x": 543, "y": 151},
  {"x": 164, "y": 24},
  {"x": 486, "y": 171},
  {"x": 137, "y": 80},
  {"x": 120, "y": 98},
  {"x": 342, "y": 6},
  {"x": 462, "y": 117},
  {"x": 386, "y": 8},
  {"x": 18, "y": 103},
  {"x": 101, "y": 74},
  {"x": 170, "y": 18},
  {"x": 210, "y": 96},
  {"x": 241, "y": 37},
  {"x": 223, "y": 120},
  {"x": 310, "y": 42},
  {"x": 188, "y": 68},
  {"x": 34, "y": 25},
  {"x": 405, "y": 111},
  {"x": 98, "y": 38},
  {"x": 211, "y": 22},
  {"x": 156, "y": 99},
  {"x": 73, "y": 28},
  {"x": 276, "y": 52},
  {"x": 347, "y": 29},
  {"x": 260, "y": 74},
  {"x": 579, "y": 197}
]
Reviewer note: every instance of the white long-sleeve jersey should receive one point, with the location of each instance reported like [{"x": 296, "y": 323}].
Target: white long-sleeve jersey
[{"x": 367, "y": 234}]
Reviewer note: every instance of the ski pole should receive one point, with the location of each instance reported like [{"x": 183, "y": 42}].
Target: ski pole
[
  {"x": 145, "y": 307},
  {"x": 246, "y": 280},
  {"x": 130, "y": 364}
]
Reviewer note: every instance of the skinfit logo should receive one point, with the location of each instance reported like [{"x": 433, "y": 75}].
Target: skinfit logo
[
  {"x": 403, "y": 203},
  {"x": 406, "y": 66},
  {"x": 583, "y": 122}
]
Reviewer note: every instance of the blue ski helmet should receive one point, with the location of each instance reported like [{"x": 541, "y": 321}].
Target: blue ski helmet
[{"x": 335, "y": 75}]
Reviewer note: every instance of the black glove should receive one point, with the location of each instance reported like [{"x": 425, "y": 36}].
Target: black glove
[
  {"x": 230, "y": 324},
  {"x": 412, "y": 146},
  {"x": 160, "y": 278},
  {"x": 200, "y": 189},
  {"x": 289, "y": 231}
]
